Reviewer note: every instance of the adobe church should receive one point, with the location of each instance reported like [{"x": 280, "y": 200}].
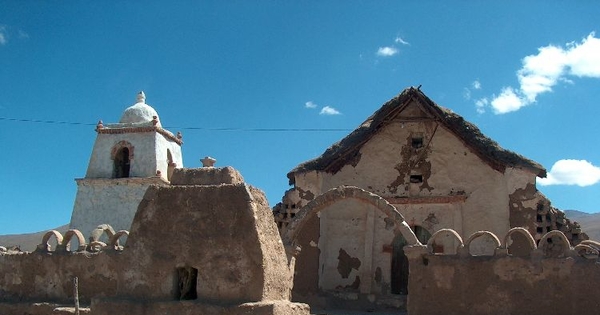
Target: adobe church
[
  {"x": 438, "y": 170},
  {"x": 127, "y": 158}
]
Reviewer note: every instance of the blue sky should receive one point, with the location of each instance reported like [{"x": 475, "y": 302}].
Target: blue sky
[{"x": 527, "y": 73}]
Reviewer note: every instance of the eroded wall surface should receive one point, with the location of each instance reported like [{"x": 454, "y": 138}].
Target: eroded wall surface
[
  {"x": 552, "y": 279},
  {"x": 213, "y": 244},
  {"x": 442, "y": 178}
]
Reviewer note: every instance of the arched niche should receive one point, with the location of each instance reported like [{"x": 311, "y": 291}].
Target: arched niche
[
  {"x": 122, "y": 156},
  {"x": 519, "y": 242},
  {"x": 451, "y": 241},
  {"x": 482, "y": 243},
  {"x": 67, "y": 241},
  {"x": 113, "y": 242},
  {"x": 103, "y": 233},
  {"x": 45, "y": 244},
  {"x": 554, "y": 244}
]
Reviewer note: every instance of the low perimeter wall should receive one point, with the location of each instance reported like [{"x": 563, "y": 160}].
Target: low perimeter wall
[{"x": 553, "y": 278}]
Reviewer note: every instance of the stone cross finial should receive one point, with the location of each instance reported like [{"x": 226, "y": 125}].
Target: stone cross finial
[
  {"x": 141, "y": 97},
  {"x": 208, "y": 161}
]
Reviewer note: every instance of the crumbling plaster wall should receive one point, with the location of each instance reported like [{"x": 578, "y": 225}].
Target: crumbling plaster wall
[
  {"x": 447, "y": 166},
  {"x": 353, "y": 235},
  {"x": 49, "y": 276}
]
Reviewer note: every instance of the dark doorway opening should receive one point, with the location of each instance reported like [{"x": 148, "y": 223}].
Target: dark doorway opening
[
  {"x": 186, "y": 283},
  {"x": 399, "y": 272},
  {"x": 122, "y": 163}
]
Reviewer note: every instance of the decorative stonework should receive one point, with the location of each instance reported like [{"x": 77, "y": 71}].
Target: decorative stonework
[
  {"x": 141, "y": 129},
  {"x": 208, "y": 161}
]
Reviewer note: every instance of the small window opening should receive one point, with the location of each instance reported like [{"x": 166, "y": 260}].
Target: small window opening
[
  {"x": 416, "y": 179},
  {"x": 186, "y": 283},
  {"x": 548, "y": 217},
  {"x": 540, "y": 230},
  {"x": 438, "y": 248},
  {"x": 417, "y": 142},
  {"x": 539, "y": 218},
  {"x": 122, "y": 163},
  {"x": 548, "y": 228}
]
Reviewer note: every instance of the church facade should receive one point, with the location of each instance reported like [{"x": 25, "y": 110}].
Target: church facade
[{"x": 438, "y": 170}]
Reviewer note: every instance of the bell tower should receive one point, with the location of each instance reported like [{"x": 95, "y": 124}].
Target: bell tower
[{"x": 127, "y": 157}]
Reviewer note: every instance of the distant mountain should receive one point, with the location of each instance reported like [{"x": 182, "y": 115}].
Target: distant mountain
[
  {"x": 590, "y": 222},
  {"x": 28, "y": 242}
]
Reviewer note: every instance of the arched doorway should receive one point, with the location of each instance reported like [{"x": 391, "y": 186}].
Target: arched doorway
[
  {"x": 399, "y": 271},
  {"x": 121, "y": 163}
]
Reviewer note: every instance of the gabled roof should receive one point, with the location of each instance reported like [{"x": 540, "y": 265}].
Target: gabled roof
[{"x": 346, "y": 151}]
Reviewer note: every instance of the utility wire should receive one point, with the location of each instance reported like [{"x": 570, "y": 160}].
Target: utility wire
[{"x": 58, "y": 122}]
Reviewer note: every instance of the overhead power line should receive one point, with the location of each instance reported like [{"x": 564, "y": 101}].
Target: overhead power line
[{"x": 58, "y": 122}]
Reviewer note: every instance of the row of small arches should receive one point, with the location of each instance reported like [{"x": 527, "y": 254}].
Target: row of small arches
[
  {"x": 95, "y": 244},
  {"x": 552, "y": 244}
]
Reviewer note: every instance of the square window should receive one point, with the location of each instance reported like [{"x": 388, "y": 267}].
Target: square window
[{"x": 417, "y": 142}]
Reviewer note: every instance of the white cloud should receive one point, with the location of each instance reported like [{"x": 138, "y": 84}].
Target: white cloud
[
  {"x": 584, "y": 59},
  {"x": 476, "y": 85},
  {"x": 3, "y": 35},
  {"x": 387, "y": 51},
  {"x": 551, "y": 65},
  {"x": 508, "y": 101},
  {"x": 327, "y": 110},
  {"x": 310, "y": 104},
  {"x": 399, "y": 40},
  {"x": 572, "y": 172},
  {"x": 480, "y": 104}
]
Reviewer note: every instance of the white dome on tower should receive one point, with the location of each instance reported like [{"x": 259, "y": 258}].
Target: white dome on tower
[{"x": 140, "y": 112}]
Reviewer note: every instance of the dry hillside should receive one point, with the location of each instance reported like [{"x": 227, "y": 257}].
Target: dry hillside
[
  {"x": 27, "y": 242},
  {"x": 590, "y": 222}
]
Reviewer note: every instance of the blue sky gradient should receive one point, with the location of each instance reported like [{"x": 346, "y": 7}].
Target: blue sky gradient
[{"x": 245, "y": 65}]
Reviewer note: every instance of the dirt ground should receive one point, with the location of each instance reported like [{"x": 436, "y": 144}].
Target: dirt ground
[{"x": 342, "y": 312}]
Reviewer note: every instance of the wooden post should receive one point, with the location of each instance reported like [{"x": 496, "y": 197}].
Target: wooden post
[{"x": 76, "y": 294}]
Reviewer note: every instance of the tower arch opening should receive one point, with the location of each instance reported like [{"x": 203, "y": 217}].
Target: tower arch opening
[{"x": 122, "y": 163}]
